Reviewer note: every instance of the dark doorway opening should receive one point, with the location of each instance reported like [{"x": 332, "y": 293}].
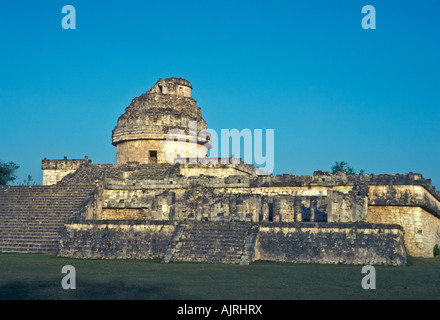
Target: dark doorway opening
[
  {"x": 153, "y": 156},
  {"x": 270, "y": 205}
]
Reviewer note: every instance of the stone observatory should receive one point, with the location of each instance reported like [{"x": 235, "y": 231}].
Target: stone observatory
[
  {"x": 213, "y": 210},
  {"x": 163, "y": 123}
]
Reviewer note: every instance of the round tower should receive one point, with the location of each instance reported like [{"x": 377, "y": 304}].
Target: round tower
[{"x": 160, "y": 125}]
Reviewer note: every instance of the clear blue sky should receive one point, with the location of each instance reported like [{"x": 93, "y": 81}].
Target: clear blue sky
[{"x": 331, "y": 90}]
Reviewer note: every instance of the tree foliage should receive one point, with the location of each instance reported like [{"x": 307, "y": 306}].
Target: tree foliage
[
  {"x": 7, "y": 172},
  {"x": 342, "y": 166}
]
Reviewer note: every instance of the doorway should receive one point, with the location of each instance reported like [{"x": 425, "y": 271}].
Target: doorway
[
  {"x": 270, "y": 207},
  {"x": 153, "y": 156}
]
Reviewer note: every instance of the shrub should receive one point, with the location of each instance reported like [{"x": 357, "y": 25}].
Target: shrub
[{"x": 436, "y": 251}]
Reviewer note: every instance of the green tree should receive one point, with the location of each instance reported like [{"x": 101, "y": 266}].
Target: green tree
[
  {"x": 343, "y": 167},
  {"x": 7, "y": 172}
]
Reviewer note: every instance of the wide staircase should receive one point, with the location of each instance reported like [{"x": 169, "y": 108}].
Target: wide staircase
[
  {"x": 212, "y": 242},
  {"x": 31, "y": 216}
]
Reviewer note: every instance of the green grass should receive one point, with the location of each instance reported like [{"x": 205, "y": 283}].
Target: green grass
[{"x": 38, "y": 276}]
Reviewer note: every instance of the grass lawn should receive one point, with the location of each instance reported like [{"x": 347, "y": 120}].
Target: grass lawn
[{"x": 38, "y": 276}]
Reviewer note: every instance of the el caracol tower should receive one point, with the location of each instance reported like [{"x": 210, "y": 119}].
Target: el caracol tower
[
  {"x": 195, "y": 209},
  {"x": 142, "y": 133}
]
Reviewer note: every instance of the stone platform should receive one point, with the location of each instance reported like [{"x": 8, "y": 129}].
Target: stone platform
[{"x": 236, "y": 242}]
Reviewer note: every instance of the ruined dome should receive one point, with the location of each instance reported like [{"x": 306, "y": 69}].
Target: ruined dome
[{"x": 168, "y": 105}]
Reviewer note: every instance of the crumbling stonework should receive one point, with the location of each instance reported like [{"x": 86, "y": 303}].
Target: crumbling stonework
[
  {"x": 142, "y": 132},
  {"x": 236, "y": 242},
  {"x": 212, "y": 198},
  {"x": 55, "y": 170},
  {"x": 115, "y": 239},
  {"x": 331, "y": 243},
  {"x": 212, "y": 210},
  {"x": 422, "y": 229},
  {"x": 162, "y": 193}
]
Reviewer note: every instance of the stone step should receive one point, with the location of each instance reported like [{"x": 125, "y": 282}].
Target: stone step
[
  {"x": 45, "y": 222},
  {"x": 208, "y": 248},
  {"x": 20, "y": 242},
  {"x": 30, "y": 225},
  {"x": 212, "y": 242},
  {"x": 30, "y": 235},
  {"x": 249, "y": 246},
  {"x": 11, "y": 249},
  {"x": 199, "y": 258},
  {"x": 213, "y": 238},
  {"x": 175, "y": 238},
  {"x": 30, "y": 217},
  {"x": 28, "y": 245},
  {"x": 30, "y": 229}
]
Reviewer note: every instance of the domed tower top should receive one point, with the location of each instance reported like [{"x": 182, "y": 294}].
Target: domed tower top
[
  {"x": 173, "y": 86},
  {"x": 141, "y": 132}
]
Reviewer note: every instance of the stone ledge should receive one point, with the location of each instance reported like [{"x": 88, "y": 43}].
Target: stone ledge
[
  {"x": 329, "y": 225},
  {"x": 126, "y": 222}
]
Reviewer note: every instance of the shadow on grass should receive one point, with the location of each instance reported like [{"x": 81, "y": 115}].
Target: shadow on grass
[{"x": 87, "y": 290}]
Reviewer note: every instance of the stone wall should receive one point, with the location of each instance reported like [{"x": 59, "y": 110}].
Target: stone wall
[
  {"x": 55, "y": 170},
  {"x": 115, "y": 239},
  {"x": 422, "y": 229},
  {"x": 201, "y": 202},
  {"x": 161, "y": 192},
  {"x": 213, "y": 241},
  {"x": 406, "y": 195},
  {"x": 331, "y": 243},
  {"x": 218, "y": 172},
  {"x": 165, "y": 119},
  {"x": 139, "y": 150}
]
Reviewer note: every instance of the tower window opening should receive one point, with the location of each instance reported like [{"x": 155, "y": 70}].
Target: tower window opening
[{"x": 153, "y": 156}]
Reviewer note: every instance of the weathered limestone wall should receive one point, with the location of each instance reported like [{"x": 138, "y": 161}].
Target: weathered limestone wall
[
  {"x": 125, "y": 214},
  {"x": 422, "y": 229},
  {"x": 139, "y": 150},
  {"x": 346, "y": 207},
  {"x": 331, "y": 243},
  {"x": 173, "y": 86},
  {"x": 165, "y": 119},
  {"x": 286, "y": 242},
  {"x": 51, "y": 177},
  {"x": 137, "y": 204},
  {"x": 209, "y": 203},
  {"x": 404, "y": 195},
  {"x": 217, "y": 172},
  {"x": 281, "y": 190},
  {"x": 273, "y": 199},
  {"x": 55, "y": 170},
  {"x": 115, "y": 240}
]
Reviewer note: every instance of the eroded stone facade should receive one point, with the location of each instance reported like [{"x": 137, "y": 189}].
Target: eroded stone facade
[
  {"x": 160, "y": 125},
  {"x": 196, "y": 208},
  {"x": 55, "y": 170}
]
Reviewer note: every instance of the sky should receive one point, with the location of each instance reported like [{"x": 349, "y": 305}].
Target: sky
[{"x": 330, "y": 90}]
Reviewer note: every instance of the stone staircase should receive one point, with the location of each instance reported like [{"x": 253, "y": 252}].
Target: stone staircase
[
  {"x": 212, "y": 242},
  {"x": 31, "y": 216},
  {"x": 174, "y": 241}
]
